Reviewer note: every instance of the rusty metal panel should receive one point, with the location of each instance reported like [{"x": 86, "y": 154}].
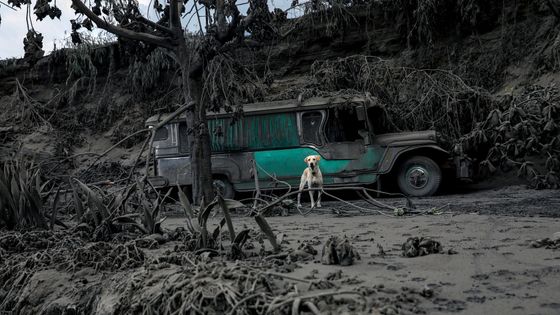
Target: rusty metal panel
[
  {"x": 258, "y": 132},
  {"x": 225, "y": 136}
]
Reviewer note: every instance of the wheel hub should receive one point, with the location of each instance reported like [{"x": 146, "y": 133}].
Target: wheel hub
[{"x": 417, "y": 177}]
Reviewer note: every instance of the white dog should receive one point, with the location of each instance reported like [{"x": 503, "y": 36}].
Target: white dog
[{"x": 313, "y": 178}]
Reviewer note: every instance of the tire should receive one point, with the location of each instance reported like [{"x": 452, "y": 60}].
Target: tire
[
  {"x": 419, "y": 176},
  {"x": 224, "y": 187}
]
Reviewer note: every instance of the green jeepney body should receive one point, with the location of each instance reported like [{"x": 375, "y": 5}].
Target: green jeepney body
[{"x": 277, "y": 136}]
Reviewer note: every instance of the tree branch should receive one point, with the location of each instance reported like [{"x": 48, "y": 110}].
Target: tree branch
[
  {"x": 154, "y": 25},
  {"x": 225, "y": 34},
  {"x": 165, "y": 42},
  {"x": 238, "y": 25},
  {"x": 220, "y": 19},
  {"x": 175, "y": 15}
]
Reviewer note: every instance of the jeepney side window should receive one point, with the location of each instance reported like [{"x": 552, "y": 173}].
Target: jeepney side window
[
  {"x": 343, "y": 125},
  {"x": 311, "y": 127},
  {"x": 183, "y": 138}
]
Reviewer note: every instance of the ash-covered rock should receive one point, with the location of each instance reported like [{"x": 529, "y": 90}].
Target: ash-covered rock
[{"x": 414, "y": 247}]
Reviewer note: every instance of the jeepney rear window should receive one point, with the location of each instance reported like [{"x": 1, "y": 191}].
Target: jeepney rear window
[
  {"x": 311, "y": 127},
  {"x": 161, "y": 134}
]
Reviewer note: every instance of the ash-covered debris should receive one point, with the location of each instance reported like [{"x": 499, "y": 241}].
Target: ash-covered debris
[
  {"x": 339, "y": 252},
  {"x": 420, "y": 246},
  {"x": 105, "y": 171},
  {"x": 304, "y": 252},
  {"x": 106, "y": 256},
  {"x": 552, "y": 242}
]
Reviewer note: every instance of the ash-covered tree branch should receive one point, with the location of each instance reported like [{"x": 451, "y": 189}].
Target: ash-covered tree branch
[
  {"x": 175, "y": 8},
  {"x": 154, "y": 25},
  {"x": 166, "y": 42}
]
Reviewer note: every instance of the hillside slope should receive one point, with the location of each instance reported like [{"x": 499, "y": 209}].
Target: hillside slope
[{"x": 463, "y": 70}]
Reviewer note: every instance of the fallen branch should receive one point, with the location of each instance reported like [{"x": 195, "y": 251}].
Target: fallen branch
[{"x": 274, "y": 306}]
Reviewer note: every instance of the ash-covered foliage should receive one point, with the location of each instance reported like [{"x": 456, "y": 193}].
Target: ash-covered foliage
[
  {"x": 229, "y": 83},
  {"x": 21, "y": 199},
  {"x": 509, "y": 132},
  {"x": 418, "y": 22},
  {"x": 407, "y": 98},
  {"x": 145, "y": 281},
  {"x": 519, "y": 129}
]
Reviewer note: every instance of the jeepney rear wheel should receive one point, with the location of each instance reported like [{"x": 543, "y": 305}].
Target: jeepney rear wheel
[
  {"x": 223, "y": 187},
  {"x": 419, "y": 176}
]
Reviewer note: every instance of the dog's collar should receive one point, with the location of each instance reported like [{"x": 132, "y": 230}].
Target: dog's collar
[{"x": 313, "y": 170}]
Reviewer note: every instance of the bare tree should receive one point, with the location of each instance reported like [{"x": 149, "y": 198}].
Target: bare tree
[{"x": 223, "y": 29}]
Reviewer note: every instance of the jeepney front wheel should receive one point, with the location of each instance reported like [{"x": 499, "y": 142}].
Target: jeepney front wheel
[
  {"x": 223, "y": 187},
  {"x": 419, "y": 176}
]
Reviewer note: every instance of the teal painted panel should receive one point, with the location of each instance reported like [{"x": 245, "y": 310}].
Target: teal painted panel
[
  {"x": 289, "y": 163},
  {"x": 258, "y": 132}
]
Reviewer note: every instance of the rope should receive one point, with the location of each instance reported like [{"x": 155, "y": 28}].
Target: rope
[{"x": 362, "y": 193}]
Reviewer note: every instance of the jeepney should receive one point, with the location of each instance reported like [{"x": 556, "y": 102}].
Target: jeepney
[{"x": 277, "y": 136}]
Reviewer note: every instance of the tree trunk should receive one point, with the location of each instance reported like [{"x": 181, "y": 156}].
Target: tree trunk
[
  {"x": 199, "y": 136},
  {"x": 202, "y": 165}
]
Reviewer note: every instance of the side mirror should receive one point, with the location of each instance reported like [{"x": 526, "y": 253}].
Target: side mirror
[{"x": 365, "y": 136}]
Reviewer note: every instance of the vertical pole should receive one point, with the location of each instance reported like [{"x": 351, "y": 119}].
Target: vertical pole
[
  {"x": 257, "y": 184},
  {"x": 379, "y": 187}
]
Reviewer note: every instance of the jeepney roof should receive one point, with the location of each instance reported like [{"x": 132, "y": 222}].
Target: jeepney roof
[{"x": 274, "y": 107}]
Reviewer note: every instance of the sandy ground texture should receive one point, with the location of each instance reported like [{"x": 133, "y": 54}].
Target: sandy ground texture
[{"x": 487, "y": 265}]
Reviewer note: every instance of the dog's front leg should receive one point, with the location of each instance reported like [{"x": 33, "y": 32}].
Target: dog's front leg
[
  {"x": 319, "y": 197},
  {"x": 311, "y": 196}
]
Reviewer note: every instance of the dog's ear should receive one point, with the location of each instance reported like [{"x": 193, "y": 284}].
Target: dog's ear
[
  {"x": 305, "y": 160},
  {"x": 318, "y": 157}
]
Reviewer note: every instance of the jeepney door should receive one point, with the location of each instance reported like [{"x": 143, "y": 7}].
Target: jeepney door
[{"x": 349, "y": 156}]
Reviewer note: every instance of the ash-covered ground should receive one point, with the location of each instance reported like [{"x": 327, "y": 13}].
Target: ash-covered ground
[{"x": 488, "y": 263}]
